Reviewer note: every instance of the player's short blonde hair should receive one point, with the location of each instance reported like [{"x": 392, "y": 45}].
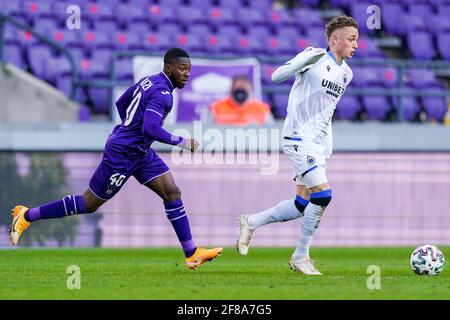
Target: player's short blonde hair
[{"x": 338, "y": 23}]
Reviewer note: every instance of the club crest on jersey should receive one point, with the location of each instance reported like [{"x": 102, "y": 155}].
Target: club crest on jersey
[
  {"x": 310, "y": 160},
  {"x": 345, "y": 78},
  {"x": 328, "y": 68}
]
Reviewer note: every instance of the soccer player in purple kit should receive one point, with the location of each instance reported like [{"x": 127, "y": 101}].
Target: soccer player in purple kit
[{"x": 142, "y": 109}]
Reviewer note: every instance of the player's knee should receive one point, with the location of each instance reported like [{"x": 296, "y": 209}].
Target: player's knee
[
  {"x": 172, "y": 194},
  {"x": 321, "y": 198}
]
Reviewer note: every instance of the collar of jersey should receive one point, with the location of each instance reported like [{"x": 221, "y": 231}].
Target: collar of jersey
[
  {"x": 168, "y": 80},
  {"x": 332, "y": 56}
]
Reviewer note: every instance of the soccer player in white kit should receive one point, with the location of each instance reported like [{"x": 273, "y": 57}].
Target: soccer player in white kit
[{"x": 321, "y": 76}]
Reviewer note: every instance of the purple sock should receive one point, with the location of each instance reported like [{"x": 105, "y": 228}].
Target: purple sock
[
  {"x": 67, "y": 206},
  {"x": 180, "y": 223}
]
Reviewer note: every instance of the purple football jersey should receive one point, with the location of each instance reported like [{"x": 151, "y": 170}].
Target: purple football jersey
[{"x": 142, "y": 109}]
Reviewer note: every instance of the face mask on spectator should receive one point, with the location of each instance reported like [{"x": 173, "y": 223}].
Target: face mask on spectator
[{"x": 240, "y": 95}]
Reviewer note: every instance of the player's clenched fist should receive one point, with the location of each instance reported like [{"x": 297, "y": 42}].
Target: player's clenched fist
[{"x": 190, "y": 144}]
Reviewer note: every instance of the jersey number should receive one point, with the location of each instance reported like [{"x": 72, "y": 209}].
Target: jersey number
[
  {"x": 117, "y": 179},
  {"x": 131, "y": 110}
]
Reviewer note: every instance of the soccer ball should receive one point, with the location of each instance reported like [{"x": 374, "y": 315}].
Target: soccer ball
[{"x": 427, "y": 260}]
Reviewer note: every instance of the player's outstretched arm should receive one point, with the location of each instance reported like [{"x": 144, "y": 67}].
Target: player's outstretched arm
[{"x": 307, "y": 57}]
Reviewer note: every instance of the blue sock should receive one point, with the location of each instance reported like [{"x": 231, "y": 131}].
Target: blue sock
[
  {"x": 68, "y": 206},
  {"x": 178, "y": 218}
]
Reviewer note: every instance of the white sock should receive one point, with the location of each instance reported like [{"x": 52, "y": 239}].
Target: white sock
[
  {"x": 284, "y": 211},
  {"x": 313, "y": 214}
]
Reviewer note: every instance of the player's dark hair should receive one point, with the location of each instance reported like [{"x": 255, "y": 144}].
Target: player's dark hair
[
  {"x": 338, "y": 23},
  {"x": 173, "y": 54}
]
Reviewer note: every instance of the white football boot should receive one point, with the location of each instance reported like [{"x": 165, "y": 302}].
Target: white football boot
[
  {"x": 245, "y": 235},
  {"x": 304, "y": 265}
]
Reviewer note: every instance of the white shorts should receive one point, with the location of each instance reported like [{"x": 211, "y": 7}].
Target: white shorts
[{"x": 308, "y": 160}]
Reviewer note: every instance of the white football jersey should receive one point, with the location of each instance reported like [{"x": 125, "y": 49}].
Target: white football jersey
[{"x": 319, "y": 84}]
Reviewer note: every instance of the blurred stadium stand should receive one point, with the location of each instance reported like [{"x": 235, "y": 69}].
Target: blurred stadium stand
[{"x": 239, "y": 28}]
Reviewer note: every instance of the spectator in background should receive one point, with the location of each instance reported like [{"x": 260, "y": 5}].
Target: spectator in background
[{"x": 239, "y": 108}]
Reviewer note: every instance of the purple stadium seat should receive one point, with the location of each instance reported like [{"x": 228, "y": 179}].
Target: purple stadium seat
[
  {"x": 219, "y": 16},
  {"x": 249, "y": 45},
  {"x": 359, "y": 12},
  {"x": 191, "y": 15},
  {"x": 107, "y": 25},
  {"x": 63, "y": 77},
  {"x": 12, "y": 53},
  {"x": 440, "y": 24},
  {"x": 102, "y": 54},
  {"x": 193, "y": 43},
  {"x": 388, "y": 76},
  {"x": 289, "y": 32},
  {"x": 94, "y": 67},
  {"x": 318, "y": 34},
  {"x": 435, "y": 108},
  {"x": 134, "y": 13},
  {"x": 127, "y": 41},
  {"x": 12, "y": 8},
  {"x": 201, "y": 3},
  {"x": 221, "y": 43},
  {"x": 367, "y": 48},
  {"x": 95, "y": 11},
  {"x": 348, "y": 107},
  {"x": 307, "y": 18},
  {"x": 161, "y": 13},
  {"x": 124, "y": 69},
  {"x": 303, "y": 42},
  {"x": 11, "y": 35},
  {"x": 251, "y": 17},
  {"x": 444, "y": 9},
  {"x": 95, "y": 39},
  {"x": 422, "y": 10},
  {"x": 138, "y": 26},
  {"x": 170, "y": 28},
  {"x": 46, "y": 25},
  {"x": 345, "y": 4},
  {"x": 35, "y": 10},
  {"x": 443, "y": 44},
  {"x": 377, "y": 107},
  {"x": 412, "y": 23},
  {"x": 267, "y": 98},
  {"x": 260, "y": 5},
  {"x": 84, "y": 113},
  {"x": 66, "y": 37},
  {"x": 423, "y": 79},
  {"x": 99, "y": 96},
  {"x": 277, "y": 45},
  {"x": 157, "y": 41},
  {"x": 390, "y": 14},
  {"x": 411, "y": 108},
  {"x": 38, "y": 56},
  {"x": 281, "y": 18},
  {"x": 201, "y": 30},
  {"x": 420, "y": 44},
  {"x": 266, "y": 73},
  {"x": 235, "y": 4},
  {"x": 280, "y": 101},
  {"x": 259, "y": 31}
]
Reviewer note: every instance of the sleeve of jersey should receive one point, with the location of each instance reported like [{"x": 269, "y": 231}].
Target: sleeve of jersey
[
  {"x": 308, "y": 56},
  {"x": 152, "y": 126}
]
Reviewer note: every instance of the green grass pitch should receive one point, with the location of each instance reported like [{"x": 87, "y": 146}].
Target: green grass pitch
[{"x": 263, "y": 274}]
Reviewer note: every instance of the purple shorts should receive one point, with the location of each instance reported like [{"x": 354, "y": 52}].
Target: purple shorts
[{"x": 115, "y": 169}]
